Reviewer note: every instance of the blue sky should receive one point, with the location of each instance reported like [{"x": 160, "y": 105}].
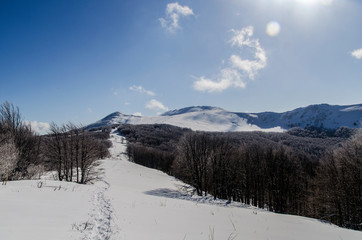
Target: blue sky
[{"x": 78, "y": 61}]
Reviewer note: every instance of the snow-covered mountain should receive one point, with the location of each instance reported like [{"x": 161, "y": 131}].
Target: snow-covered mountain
[{"x": 206, "y": 118}]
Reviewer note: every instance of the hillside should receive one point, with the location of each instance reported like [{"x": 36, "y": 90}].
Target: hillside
[
  {"x": 134, "y": 202},
  {"x": 205, "y": 118}
]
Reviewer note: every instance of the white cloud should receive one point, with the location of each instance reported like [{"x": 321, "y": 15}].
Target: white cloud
[
  {"x": 39, "y": 127},
  {"x": 173, "y": 13},
  {"x": 140, "y": 89},
  {"x": 250, "y": 67},
  {"x": 240, "y": 39},
  {"x": 239, "y": 70},
  {"x": 204, "y": 84},
  {"x": 228, "y": 78},
  {"x": 156, "y": 105},
  {"x": 357, "y": 53},
  {"x": 90, "y": 110}
]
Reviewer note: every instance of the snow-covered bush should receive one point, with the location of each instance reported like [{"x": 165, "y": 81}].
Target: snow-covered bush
[
  {"x": 8, "y": 158},
  {"x": 35, "y": 171}
]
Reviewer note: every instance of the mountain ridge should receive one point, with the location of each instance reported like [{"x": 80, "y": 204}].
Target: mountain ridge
[{"x": 209, "y": 118}]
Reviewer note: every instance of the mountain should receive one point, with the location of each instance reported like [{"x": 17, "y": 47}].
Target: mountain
[{"x": 207, "y": 118}]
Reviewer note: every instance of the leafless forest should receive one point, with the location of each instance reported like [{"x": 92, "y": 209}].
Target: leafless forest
[
  {"x": 68, "y": 150},
  {"x": 311, "y": 172}
]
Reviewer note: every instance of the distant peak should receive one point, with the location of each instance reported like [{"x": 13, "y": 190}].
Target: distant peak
[{"x": 113, "y": 115}]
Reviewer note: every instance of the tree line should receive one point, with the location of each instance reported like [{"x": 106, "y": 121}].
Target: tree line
[
  {"x": 339, "y": 185},
  {"x": 70, "y": 150},
  {"x": 20, "y": 148},
  {"x": 267, "y": 176},
  {"x": 74, "y": 153},
  {"x": 317, "y": 176}
]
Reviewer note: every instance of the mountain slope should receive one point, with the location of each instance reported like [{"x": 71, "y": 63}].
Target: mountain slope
[
  {"x": 135, "y": 202},
  {"x": 152, "y": 205},
  {"x": 322, "y": 115},
  {"x": 206, "y": 118}
]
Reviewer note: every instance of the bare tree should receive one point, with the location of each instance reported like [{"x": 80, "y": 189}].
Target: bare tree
[
  {"x": 222, "y": 176},
  {"x": 340, "y": 184},
  {"x": 75, "y": 133},
  {"x": 74, "y": 153},
  {"x": 89, "y": 155},
  {"x": 10, "y": 118},
  {"x": 8, "y": 159},
  {"x": 24, "y": 139},
  {"x": 194, "y": 155},
  {"x": 54, "y": 148}
]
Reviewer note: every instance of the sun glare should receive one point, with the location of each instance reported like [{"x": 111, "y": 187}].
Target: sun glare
[
  {"x": 314, "y": 2},
  {"x": 326, "y": 2},
  {"x": 309, "y": 2},
  {"x": 273, "y": 28}
]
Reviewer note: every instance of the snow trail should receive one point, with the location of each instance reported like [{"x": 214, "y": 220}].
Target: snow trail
[
  {"x": 133, "y": 202},
  {"x": 103, "y": 222},
  {"x": 102, "y": 225}
]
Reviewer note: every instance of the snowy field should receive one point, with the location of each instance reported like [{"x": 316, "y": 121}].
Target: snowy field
[{"x": 135, "y": 203}]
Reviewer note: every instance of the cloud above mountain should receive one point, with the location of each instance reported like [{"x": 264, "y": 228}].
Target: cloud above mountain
[
  {"x": 238, "y": 70},
  {"x": 154, "y": 104}
]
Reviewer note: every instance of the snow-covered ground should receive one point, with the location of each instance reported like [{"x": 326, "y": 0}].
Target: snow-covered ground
[{"x": 135, "y": 203}]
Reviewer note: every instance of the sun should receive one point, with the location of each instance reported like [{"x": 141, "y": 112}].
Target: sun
[{"x": 273, "y": 28}]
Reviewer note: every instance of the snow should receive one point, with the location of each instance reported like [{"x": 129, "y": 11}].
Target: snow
[
  {"x": 197, "y": 119},
  {"x": 206, "y": 118},
  {"x": 352, "y": 108},
  {"x": 134, "y": 202},
  {"x": 49, "y": 212},
  {"x": 253, "y": 115}
]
